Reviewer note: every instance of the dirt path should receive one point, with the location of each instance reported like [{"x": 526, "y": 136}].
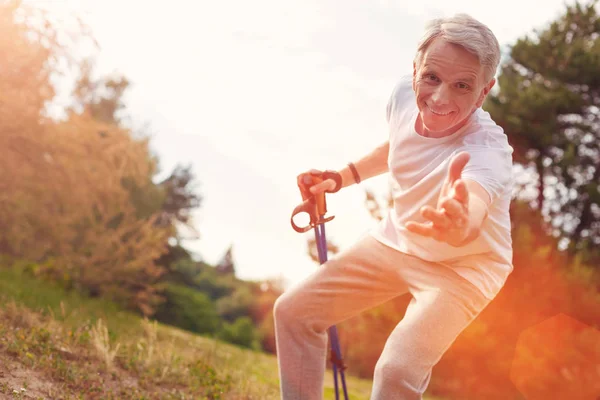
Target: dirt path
[{"x": 19, "y": 382}]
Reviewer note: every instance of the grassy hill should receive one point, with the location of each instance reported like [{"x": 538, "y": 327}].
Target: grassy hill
[{"x": 60, "y": 345}]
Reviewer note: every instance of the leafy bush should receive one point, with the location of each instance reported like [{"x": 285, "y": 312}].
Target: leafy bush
[
  {"x": 213, "y": 284},
  {"x": 188, "y": 309},
  {"x": 237, "y": 305},
  {"x": 241, "y": 332}
]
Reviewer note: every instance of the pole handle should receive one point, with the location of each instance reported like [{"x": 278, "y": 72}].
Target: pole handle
[{"x": 314, "y": 205}]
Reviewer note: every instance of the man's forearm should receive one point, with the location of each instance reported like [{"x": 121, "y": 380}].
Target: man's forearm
[{"x": 373, "y": 164}]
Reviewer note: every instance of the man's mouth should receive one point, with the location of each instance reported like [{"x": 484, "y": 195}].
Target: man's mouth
[{"x": 438, "y": 112}]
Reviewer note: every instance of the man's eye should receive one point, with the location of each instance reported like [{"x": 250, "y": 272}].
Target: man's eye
[{"x": 463, "y": 86}]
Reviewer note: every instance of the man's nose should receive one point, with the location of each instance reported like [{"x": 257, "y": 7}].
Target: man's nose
[{"x": 441, "y": 94}]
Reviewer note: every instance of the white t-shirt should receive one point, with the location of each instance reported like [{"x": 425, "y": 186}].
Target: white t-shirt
[{"x": 418, "y": 166}]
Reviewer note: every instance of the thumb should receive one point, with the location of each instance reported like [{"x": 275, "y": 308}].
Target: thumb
[
  {"x": 327, "y": 184},
  {"x": 457, "y": 164}
]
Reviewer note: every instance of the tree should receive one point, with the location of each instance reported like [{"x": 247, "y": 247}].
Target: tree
[
  {"x": 64, "y": 204},
  {"x": 171, "y": 201},
  {"x": 189, "y": 309},
  {"x": 548, "y": 103},
  {"x": 226, "y": 266},
  {"x": 180, "y": 197},
  {"x": 101, "y": 99}
]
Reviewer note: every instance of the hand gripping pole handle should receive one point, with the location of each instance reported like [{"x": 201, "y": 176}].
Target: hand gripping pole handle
[{"x": 314, "y": 205}]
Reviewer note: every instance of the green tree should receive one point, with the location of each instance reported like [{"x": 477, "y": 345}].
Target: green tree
[
  {"x": 180, "y": 196},
  {"x": 241, "y": 332},
  {"x": 548, "y": 103},
  {"x": 172, "y": 200},
  {"x": 178, "y": 199},
  {"x": 188, "y": 309},
  {"x": 226, "y": 265},
  {"x": 238, "y": 304}
]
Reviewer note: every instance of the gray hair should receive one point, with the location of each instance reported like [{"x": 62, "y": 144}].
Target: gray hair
[{"x": 465, "y": 31}]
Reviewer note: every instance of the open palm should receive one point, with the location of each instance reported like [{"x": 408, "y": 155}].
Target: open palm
[{"x": 449, "y": 221}]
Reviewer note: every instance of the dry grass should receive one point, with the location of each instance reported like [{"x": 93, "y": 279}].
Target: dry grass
[
  {"x": 62, "y": 346},
  {"x": 99, "y": 336}
]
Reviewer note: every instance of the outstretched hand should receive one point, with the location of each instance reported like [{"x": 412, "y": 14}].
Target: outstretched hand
[{"x": 449, "y": 222}]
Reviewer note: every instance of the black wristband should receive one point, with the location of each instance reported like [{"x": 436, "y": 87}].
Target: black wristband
[{"x": 354, "y": 172}]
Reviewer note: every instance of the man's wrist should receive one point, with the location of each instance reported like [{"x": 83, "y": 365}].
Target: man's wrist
[
  {"x": 354, "y": 171},
  {"x": 347, "y": 178}
]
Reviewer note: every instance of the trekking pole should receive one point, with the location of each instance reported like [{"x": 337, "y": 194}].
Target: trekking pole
[{"x": 316, "y": 208}]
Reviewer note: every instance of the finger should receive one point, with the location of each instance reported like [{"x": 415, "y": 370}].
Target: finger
[
  {"x": 461, "y": 193},
  {"x": 455, "y": 211},
  {"x": 453, "y": 207},
  {"x": 306, "y": 177},
  {"x": 327, "y": 184},
  {"x": 457, "y": 164},
  {"x": 425, "y": 230},
  {"x": 309, "y": 172},
  {"x": 420, "y": 229},
  {"x": 437, "y": 217}
]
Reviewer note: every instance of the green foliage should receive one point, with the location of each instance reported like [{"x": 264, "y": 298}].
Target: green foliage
[
  {"x": 548, "y": 105},
  {"x": 215, "y": 304},
  {"x": 214, "y": 284},
  {"x": 236, "y": 305},
  {"x": 226, "y": 266},
  {"x": 83, "y": 204},
  {"x": 50, "y": 346},
  {"x": 180, "y": 194},
  {"x": 241, "y": 332},
  {"x": 188, "y": 309},
  {"x": 146, "y": 198},
  {"x": 18, "y": 284}
]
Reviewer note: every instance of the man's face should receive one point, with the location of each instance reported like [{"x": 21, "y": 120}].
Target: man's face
[{"x": 449, "y": 85}]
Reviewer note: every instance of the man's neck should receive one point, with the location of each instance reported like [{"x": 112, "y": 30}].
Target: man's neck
[{"x": 423, "y": 131}]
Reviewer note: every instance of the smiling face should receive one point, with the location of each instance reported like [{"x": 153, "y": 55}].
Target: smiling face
[{"x": 449, "y": 84}]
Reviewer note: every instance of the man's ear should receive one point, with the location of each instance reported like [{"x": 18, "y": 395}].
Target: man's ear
[
  {"x": 486, "y": 90},
  {"x": 414, "y": 80}
]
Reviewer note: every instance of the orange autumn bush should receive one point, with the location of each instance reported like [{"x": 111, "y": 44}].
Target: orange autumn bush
[{"x": 66, "y": 185}]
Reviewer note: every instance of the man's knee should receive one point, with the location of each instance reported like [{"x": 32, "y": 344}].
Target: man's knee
[
  {"x": 402, "y": 374},
  {"x": 294, "y": 307},
  {"x": 388, "y": 369},
  {"x": 283, "y": 308}
]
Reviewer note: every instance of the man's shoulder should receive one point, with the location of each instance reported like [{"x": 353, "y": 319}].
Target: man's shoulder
[
  {"x": 485, "y": 133},
  {"x": 403, "y": 86},
  {"x": 402, "y": 95}
]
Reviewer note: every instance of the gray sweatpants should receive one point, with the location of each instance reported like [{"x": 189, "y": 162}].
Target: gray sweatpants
[{"x": 356, "y": 279}]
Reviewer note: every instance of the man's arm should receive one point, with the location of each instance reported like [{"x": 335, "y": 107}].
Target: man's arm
[
  {"x": 373, "y": 164},
  {"x": 479, "y": 201},
  {"x": 461, "y": 210}
]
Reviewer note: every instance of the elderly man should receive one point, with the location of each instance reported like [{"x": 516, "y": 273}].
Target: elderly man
[{"x": 446, "y": 241}]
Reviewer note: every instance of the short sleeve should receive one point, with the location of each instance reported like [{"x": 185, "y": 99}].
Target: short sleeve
[
  {"x": 398, "y": 96},
  {"x": 491, "y": 167}
]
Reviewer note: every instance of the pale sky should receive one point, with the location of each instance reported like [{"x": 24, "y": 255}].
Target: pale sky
[{"x": 253, "y": 93}]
